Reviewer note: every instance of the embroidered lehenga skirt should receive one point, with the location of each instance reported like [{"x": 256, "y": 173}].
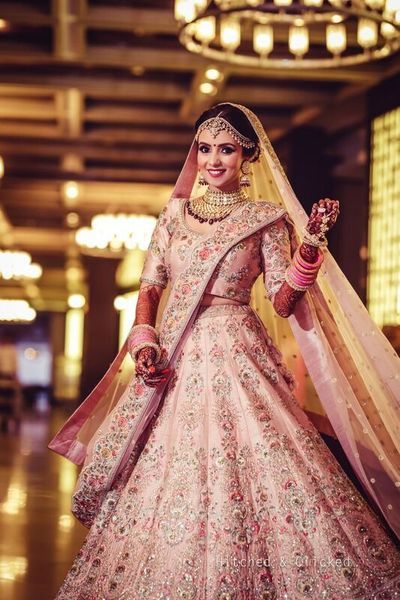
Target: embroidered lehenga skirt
[{"x": 234, "y": 494}]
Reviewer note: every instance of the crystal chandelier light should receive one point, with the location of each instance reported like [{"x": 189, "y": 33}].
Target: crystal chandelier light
[
  {"x": 15, "y": 264},
  {"x": 16, "y": 310},
  {"x": 113, "y": 234},
  {"x": 290, "y": 33}
]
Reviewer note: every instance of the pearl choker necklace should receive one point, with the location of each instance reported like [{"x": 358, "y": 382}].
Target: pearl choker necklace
[{"x": 215, "y": 205}]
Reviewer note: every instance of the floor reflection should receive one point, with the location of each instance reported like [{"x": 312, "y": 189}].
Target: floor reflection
[{"x": 39, "y": 536}]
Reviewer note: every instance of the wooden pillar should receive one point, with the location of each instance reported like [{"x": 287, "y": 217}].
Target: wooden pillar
[{"x": 101, "y": 322}]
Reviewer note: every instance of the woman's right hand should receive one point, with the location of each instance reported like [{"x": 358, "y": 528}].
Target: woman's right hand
[{"x": 151, "y": 372}]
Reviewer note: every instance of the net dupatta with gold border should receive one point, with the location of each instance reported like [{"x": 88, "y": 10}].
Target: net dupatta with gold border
[{"x": 354, "y": 369}]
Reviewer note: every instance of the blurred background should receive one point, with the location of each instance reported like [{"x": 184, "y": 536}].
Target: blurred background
[{"x": 97, "y": 104}]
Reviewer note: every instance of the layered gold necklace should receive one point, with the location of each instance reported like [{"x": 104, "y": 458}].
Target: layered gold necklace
[{"x": 215, "y": 205}]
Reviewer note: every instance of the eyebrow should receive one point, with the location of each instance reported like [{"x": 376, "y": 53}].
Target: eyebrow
[{"x": 223, "y": 144}]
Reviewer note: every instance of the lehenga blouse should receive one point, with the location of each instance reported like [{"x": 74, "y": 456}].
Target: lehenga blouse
[{"x": 266, "y": 251}]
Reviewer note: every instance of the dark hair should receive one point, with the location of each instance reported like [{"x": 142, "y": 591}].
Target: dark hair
[{"x": 238, "y": 120}]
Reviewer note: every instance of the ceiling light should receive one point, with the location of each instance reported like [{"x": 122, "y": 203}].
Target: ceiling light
[
  {"x": 367, "y": 33},
  {"x": 336, "y": 38},
  {"x": 205, "y": 30},
  {"x": 72, "y": 219},
  {"x": 71, "y": 190},
  {"x": 185, "y": 10},
  {"x": 315, "y": 3},
  {"x": 76, "y": 301},
  {"x": 208, "y": 88},
  {"x": 213, "y": 74},
  {"x": 263, "y": 39},
  {"x": 230, "y": 33},
  {"x": 298, "y": 40},
  {"x": 217, "y": 28},
  {"x": 137, "y": 70},
  {"x": 113, "y": 234},
  {"x": 16, "y": 310},
  {"x": 15, "y": 264}
]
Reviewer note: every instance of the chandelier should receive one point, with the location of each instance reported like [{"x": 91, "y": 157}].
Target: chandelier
[
  {"x": 290, "y": 33},
  {"x": 16, "y": 310},
  {"x": 112, "y": 235},
  {"x": 15, "y": 264}
]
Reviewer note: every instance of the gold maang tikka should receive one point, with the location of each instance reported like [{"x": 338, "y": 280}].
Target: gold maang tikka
[{"x": 217, "y": 124}]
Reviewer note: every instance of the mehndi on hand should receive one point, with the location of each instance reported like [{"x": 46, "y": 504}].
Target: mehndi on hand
[
  {"x": 152, "y": 372},
  {"x": 322, "y": 218}
]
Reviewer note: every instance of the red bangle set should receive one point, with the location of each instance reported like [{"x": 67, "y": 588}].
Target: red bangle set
[
  {"x": 143, "y": 336},
  {"x": 300, "y": 274}
]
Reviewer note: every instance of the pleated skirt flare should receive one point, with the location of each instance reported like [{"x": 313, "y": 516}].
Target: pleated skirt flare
[{"x": 234, "y": 495}]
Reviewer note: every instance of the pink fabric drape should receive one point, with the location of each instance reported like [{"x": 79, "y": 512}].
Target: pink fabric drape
[{"x": 353, "y": 367}]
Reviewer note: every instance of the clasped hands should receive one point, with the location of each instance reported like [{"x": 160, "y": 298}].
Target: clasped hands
[{"x": 151, "y": 372}]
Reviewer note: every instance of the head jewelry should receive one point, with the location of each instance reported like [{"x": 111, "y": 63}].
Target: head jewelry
[{"x": 217, "y": 124}]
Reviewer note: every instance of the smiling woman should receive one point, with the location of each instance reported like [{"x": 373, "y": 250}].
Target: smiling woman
[
  {"x": 206, "y": 479},
  {"x": 220, "y": 163}
]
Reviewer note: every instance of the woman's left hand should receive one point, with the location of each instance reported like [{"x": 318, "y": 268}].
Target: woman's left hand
[{"x": 323, "y": 216}]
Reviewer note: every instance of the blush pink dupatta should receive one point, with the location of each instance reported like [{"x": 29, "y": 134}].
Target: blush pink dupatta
[
  {"x": 355, "y": 371},
  {"x": 72, "y": 439}
]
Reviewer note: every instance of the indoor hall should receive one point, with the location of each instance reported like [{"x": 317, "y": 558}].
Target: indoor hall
[{"x": 98, "y": 105}]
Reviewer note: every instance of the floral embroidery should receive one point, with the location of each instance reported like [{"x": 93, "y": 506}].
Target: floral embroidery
[
  {"x": 204, "y": 258},
  {"x": 229, "y": 467},
  {"x": 234, "y": 494},
  {"x": 275, "y": 253},
  {"x": 155, "y": 268}
]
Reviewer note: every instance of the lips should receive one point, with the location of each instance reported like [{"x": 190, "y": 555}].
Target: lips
[{"x": 216, "y": 172}]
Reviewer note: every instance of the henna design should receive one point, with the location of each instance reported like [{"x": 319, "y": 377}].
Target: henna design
[
  {"x": 147, "y": 304},
  {"x": 321, "y": 221},
  {"x": 286, "y": 299},
  {"x": 146, "y": 312}
]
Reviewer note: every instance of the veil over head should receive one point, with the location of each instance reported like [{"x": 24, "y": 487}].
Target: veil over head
[{"x": 353, "y": 368}]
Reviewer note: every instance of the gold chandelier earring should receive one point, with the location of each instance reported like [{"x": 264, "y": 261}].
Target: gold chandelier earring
[
  {"x": 201, "y": 180},
  {"x": 244, "y": 180}
]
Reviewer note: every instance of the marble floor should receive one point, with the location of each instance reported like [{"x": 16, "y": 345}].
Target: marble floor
[{"x": 38, "y": 535}]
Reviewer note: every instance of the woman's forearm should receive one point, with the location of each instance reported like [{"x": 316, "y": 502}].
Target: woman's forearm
[
  {"x": 143, "y": 341},
  {"x": 146, "y": 313},
  {"x": 308, "y": 252},
  {"x": 147, "y": 304},
  {"x": 286, "y": 297}
]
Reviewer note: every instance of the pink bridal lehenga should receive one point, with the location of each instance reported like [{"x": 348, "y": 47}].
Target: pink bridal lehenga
[
  {"x": 235, "y": 495},
  {"x": 229, "y": 492}
]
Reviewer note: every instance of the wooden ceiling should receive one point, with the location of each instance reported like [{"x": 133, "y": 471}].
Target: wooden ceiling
[{"x": 101, "y": 92}]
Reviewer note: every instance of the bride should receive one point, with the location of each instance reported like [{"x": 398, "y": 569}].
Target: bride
[{"x": 202, "y": 476}]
